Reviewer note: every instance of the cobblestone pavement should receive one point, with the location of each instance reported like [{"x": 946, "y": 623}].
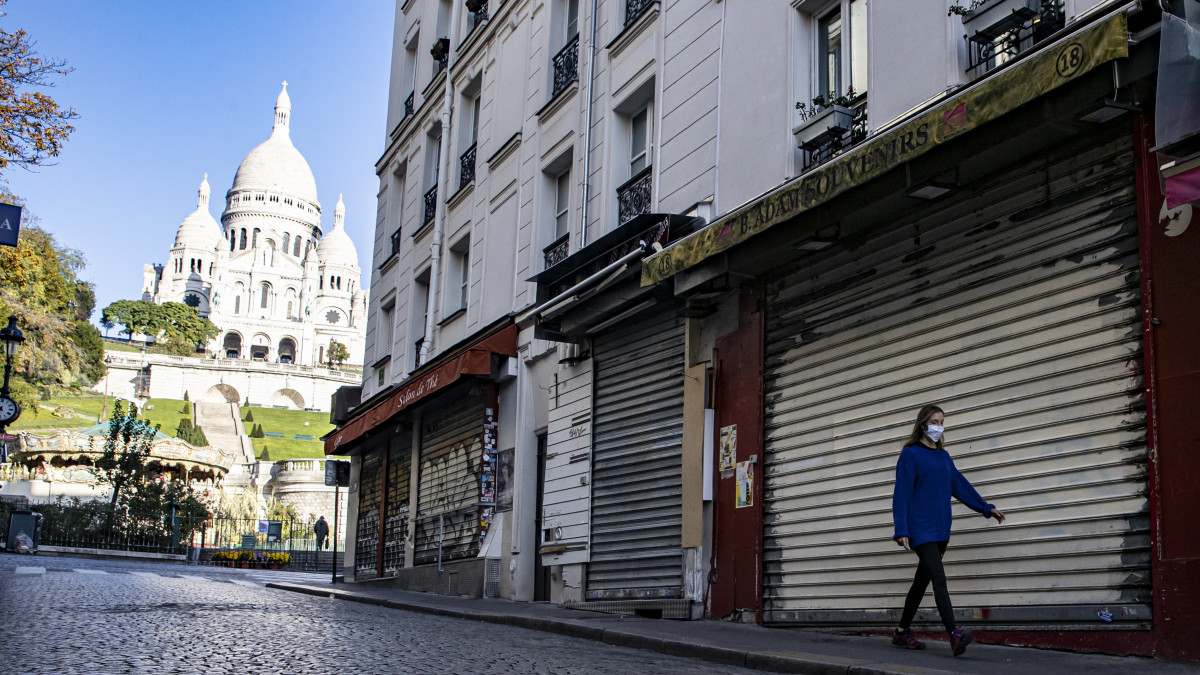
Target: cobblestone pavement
[{"x": 70, "y": 615}]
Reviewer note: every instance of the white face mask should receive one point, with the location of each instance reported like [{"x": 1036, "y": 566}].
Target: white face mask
[{"x": 933, "y": 432}]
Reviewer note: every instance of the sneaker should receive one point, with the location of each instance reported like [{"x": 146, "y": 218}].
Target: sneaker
[
  {"x": 906, "y": 640},
  {"x": 959, "y": 639}
]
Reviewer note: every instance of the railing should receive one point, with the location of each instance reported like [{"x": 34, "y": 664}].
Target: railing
[
  {"x": 633, "y": 198},
  {"x": 989, "y": 46},
  {"x": 417, "y": 351},
  {"x": 430, "y": 204},
  {"x": 466, "y": 167},
  {"x": 92, "y": 525},
  {"x": 838, "y": 145},
  {"x": 408, "y": 103},
  {"x": 634, "y": 9},
  {"x": 396, "y": 239},
  {"x": 558, "y": 251},
  {"x": 566, "y": 66},
  {"x": 478, "y": 16}
]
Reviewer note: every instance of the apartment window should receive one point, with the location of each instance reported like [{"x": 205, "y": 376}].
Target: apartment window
[
  {"x": 420, "y": 313},
  {"x": 633, "y": 197},
  {"x": 466, "y": 161},
  {"x": 395, "y": 241},
  {"x": 380, "y": 375},
  {"x": 639, "y": 141},
  {"x": 458, "y": 276},
  {"x": 842, "y": 50},
  {"x": 572, "y": 23},
  {"x": 562, "y": 204}
]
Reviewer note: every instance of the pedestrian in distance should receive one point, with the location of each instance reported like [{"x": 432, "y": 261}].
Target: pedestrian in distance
[
  {"x": 926, "y": 478},
  {"x": 321, "y": 529}
]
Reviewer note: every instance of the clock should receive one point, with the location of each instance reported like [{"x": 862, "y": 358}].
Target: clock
[{"x": 9, "y": 410}]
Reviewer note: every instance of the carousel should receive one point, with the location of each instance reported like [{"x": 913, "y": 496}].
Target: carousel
[{"x": 44, "y": 467}]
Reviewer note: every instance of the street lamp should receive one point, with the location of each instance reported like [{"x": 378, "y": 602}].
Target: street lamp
[{"x": 12, "y": 337}]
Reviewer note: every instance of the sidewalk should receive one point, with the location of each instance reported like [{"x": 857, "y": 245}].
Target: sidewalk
[{"x": 775, "y": 650}]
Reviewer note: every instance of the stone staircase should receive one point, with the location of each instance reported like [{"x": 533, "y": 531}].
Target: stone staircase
[{"x": 224, "y": 431}]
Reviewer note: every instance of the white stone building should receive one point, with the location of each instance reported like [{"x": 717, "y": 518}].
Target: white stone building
[{"x": 279, "y": 287}]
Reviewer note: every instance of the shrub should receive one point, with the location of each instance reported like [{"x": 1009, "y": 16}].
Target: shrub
[
  {"x": 265, "y": 456},
  {"x": 187, "y": 407},
  {"x": 249, "y": 416},
  {"x": 245, "y": 556}
]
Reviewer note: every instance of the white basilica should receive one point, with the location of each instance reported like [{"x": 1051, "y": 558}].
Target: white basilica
[{"x": 278, "y": 290}]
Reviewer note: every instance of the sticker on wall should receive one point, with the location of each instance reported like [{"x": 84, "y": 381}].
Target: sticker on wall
[
  {"x": 728, "y": 448},
  {"x": 745, "y": 484}
]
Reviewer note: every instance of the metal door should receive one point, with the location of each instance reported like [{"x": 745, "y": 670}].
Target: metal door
[
  {"x": 366, "y": 538},
  {"x": 1017, "y": 310},
  {"x": 636, "y": 525},
  {"x": 449, "y": 491}
]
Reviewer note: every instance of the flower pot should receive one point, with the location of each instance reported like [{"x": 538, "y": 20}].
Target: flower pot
[
  {"x": 995, "y": 17},
  {"x": 825, "y": 126}
]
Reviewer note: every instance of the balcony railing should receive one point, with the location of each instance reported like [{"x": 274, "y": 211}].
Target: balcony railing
[
  {"x": 430, "y": 204},
  {"x": 566, "y": 66},
  {"x": 634, "y": 9},
  {"x": 558, "y": 251},
  {"x": 408, "y": 103},
  {"x": 841, "y": 143},
  {"x": 479, "y": 13},
  {"x": 633, "y": 198},
  {"x": 1014, "y": 32},
  {"x": 396, "y": 238},
  {"x": 420, "y": 342},
  {"x": 466, "y": 167}
]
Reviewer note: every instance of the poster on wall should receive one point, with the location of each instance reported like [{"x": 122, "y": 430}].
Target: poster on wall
[
  {"x": 745, "y": 484},
  {"x": 728, "y": 448},
  {"x": 487, "y": 478},
  {"x": 504, "y": 480}
]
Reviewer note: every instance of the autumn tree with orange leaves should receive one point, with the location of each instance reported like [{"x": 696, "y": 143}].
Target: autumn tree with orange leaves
[{"x": 33, "y": 128}]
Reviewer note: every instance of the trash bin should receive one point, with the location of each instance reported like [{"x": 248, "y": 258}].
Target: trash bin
[{"x": 24, "y": 531}]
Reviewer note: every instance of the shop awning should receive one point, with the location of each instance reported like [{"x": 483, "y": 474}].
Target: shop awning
[
  {"x": 474, "y": 360},
  {"x": 1060, "y": 63}
]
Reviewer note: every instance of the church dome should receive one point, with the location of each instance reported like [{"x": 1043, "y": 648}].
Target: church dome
[
  {"x": 276, "y": 165},
  {"x": 336, "y": 246},
  {"x": 199, "y": 229}
]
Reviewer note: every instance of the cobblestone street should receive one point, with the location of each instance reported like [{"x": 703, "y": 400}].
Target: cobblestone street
[{"x": 67, "y": 615}]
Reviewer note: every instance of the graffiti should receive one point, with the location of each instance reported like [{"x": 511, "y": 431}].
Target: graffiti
[{"x": 577, "y": 431}]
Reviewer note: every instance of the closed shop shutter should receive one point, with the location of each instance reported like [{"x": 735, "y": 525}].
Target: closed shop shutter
[
  {"x": 449, "y": 492},
  {"x": 366, "y": 540},
  {"x": 636, "y": 459},
  {"x": 395, "y": 528},
  {"x": 1018, "y": 311}
]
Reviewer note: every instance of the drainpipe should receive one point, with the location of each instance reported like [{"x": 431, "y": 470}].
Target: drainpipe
[
  {"x": 587, "y": 130},
  {"x": 439, "y": 221}
]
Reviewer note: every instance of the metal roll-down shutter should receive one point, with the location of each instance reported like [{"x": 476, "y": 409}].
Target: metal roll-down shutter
[
  {"x": 366, "y": 540},
  {"x": 1016, "y": 309},
  {"x": 449, "y": 491},
  {"x": 636, "y": 459},
  {"x": 395, "y": 526}
]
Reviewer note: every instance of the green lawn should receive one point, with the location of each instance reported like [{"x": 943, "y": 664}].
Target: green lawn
[
  {"x": 289, "y": 423},
  {"x": 87, "y": 409},
  {"x": 166, "y": 412}
]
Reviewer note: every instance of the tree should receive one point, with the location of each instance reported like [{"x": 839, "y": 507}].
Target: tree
[
  {"x": 179, "y": 327},
  {"x": 249, "y": 416},
  {"x": 337, "y": 352},
  {"x": 122, "y": 465},
  {"x": 33, "y": 128},
  {"x": 265, "y": 456},
  {"x": 87, "y": 338}
]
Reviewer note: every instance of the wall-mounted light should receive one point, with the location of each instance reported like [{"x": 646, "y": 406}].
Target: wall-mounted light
[
  {"x": 929, "y": 190},
  {"x": 1106, "y": 110},
  {"x": 820, "y": 240}
]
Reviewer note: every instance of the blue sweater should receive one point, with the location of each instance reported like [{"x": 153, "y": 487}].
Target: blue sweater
[{"x": 925, "y": 480}]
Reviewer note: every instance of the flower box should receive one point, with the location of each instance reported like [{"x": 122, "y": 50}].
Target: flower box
[
  {"x": 828, "y": 124},
  {"x": 996, "y": 17},
  {"x": 476, "y": 5}
]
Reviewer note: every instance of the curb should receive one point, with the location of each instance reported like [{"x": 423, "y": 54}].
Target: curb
[{"x": 770, "y": 661}]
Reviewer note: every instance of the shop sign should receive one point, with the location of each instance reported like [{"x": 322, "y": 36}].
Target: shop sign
[{"x": 1060, "y": 64}]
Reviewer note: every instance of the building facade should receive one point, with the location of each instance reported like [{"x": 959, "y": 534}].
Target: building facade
[
  {"x": 279, "y": 287},
  {"x": 660, "y": 287}
]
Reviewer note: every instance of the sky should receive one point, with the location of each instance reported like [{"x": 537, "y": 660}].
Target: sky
[{"x": 167, "y": 91}]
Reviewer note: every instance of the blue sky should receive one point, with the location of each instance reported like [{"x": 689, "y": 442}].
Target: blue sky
[{"x": 167, "y": 91}]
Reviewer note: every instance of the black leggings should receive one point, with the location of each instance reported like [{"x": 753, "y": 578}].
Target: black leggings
[{"x": 929, "y": 569}]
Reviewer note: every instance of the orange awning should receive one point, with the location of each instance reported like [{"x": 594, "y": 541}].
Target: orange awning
[{"x": 475, "y": 360}]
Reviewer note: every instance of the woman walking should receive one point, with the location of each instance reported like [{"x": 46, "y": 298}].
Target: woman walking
[{"x": 925, "y": 480}]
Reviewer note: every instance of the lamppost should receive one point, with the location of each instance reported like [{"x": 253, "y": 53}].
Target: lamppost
[{"x": 12, "y": 337}]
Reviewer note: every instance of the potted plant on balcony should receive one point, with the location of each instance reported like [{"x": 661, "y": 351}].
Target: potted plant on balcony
[
  {"x": 476, "y": 5},
  {"x": 828, "y": 118},
  {"x": 984, "y": 14},
  {"x": 440, "y": 49}
]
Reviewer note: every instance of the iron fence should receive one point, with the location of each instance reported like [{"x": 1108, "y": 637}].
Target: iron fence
[{"x": 96, "y": 525}]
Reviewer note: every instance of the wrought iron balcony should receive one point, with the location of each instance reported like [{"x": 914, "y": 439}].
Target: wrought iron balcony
[
  {"x": 395, "y": 243},
  {"x": 634, "y": 9},
  {"x": 840, "y": 143},
  {"x": 566, "y": 66},
  {"x": 633, "y": 198},
  {"x": 441, "y": 54},
  {"x": 466, "y": 167},
  {"x": 430, "y": 204},
  {"x": 558, "y": 251},
  {"x": 417, "y": 351},
  {"x": 479, "y": 13},
  {"x": 1007, "y": 29},
  {"x": 408, "y": 103}
]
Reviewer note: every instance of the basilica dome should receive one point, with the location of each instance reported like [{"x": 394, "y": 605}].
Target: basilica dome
[
  {"x": 276, "y": 165},
  {"x": 199, "y": 229},
  {"x": 336, "y": 246}
]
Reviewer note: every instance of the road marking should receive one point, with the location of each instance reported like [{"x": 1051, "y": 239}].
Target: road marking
[
  {"x": 31, "y": 570},
  {"x": 82, "y": 571},
  {"x": 144, "y": 574}
]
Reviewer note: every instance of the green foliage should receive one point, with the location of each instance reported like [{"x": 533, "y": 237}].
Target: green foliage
[
  {"x": 178, "y": 327},
  {"x": 187, "y": 408},
  {"x": 265, "y": 456},
  {"x": 337, "y": 352},
  {"x": 249, "y": 416},
  {"x": 257, "y": 432},
  {"x": 185, "y": 395},
  {"x": 126, "y": 450},
  {"x": 87, "y": 338}
]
